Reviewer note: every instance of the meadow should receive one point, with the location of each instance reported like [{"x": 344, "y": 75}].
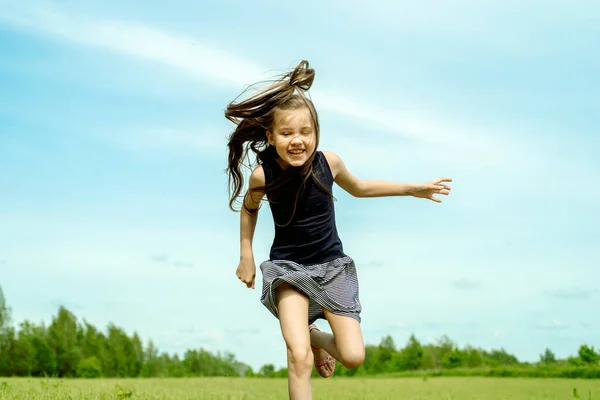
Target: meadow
[{"x": 371, "y": 388}]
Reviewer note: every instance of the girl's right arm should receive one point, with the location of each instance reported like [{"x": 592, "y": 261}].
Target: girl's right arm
[{"x": 246, "y": 270}]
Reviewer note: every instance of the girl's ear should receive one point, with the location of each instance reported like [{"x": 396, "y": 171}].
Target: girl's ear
[{"x": 270, "y": 138}]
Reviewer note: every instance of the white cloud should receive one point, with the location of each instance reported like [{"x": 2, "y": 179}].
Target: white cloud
[
  {"x": 207, "y": 63},
  {"x": 511, "y": 27},
  {"x": 134, "y": 39},
  {"x": 167, "y": 139},
  {"x": 553, "y": 325}
]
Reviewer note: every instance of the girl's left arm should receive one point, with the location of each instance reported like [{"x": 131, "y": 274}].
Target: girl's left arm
[{"x": 373, "y": 188}]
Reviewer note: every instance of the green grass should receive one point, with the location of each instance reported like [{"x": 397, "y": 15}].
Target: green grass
[{"x": 272, "y": 389}]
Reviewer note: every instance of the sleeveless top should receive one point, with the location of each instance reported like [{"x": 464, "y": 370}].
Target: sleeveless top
[{"x": 311, "y": 237}]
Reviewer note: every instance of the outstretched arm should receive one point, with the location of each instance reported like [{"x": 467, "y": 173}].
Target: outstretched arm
[{"x": 374, "y": 188}]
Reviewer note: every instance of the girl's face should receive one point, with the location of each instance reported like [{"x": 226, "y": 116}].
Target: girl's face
[{"x": 293, "y": 136}]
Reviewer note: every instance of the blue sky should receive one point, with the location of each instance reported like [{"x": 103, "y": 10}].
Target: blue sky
[{"x": 112, "y": 158}]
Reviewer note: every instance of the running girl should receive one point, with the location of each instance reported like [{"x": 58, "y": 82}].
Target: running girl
[{"x": 308, "y": 275}]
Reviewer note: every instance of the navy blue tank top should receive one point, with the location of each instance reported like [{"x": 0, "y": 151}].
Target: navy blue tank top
[{"x": 311, "y": 237}]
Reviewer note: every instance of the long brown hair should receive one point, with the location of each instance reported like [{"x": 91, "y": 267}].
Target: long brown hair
[{"x": 253, "y": 118}]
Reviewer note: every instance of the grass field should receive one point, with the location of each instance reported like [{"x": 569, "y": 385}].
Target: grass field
[{"x": 276, "y": 389}]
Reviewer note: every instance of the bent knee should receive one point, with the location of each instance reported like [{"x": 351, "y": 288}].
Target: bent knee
[{"x": 352, "y": 358}]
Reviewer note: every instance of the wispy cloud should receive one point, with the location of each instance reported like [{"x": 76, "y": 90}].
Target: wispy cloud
[
  {"x": 432, "y": 325},
  {"x": 552, "y": 325},
  {"x": 189, "y": 329},
  {"x": 372, "y": 264},
  {"x": 210, "y": 64},
  {"x": 164, "y": 259},
  {"x": 467, "y": 284},
  {"x": 183, "y": 264},
  {"x": 477, "y": 22},
  {"x": 193, "y": 140},
  {"x": 135, "y": 39},
  {"x": 573, "y": 293},
  {"x": 160, "y": 258}
]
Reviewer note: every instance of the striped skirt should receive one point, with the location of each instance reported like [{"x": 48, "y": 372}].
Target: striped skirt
[{"x": 332, "y": 285}]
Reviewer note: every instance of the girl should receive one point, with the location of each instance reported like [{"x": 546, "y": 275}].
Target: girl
[{"x": 308, "y": 275}]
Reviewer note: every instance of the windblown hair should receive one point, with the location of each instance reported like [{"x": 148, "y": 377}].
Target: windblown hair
[{"x": 253, "y": 118}]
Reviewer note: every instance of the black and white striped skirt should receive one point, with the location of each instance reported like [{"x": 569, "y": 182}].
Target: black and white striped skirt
[{"x": 332, "y": 285}]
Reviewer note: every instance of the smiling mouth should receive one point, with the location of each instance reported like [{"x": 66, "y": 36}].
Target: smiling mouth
[{"x": 296, "y": 152}]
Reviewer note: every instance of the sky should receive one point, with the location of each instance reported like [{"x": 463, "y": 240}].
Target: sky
[{"x": 113, "y": 195}]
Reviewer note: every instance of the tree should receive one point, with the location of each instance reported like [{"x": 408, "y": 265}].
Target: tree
[
  {"x": 474, "y": 358},
  {"x": 174, "y": 365},
  {"x": 24, "y": 352},
  {"x": 429, "y": 360},
  {"x": 499, "y": 357},
  {"x": 89, "y": 368},
  {"x": 434, "y": 354},
  {"x": 370, "y": 363},
  {"x": 548, "y": 357},
  {"x": 5, "y": 334},
  {"x": 63, "y": 341},
  {"x": 445, "y": 346},
  {"x": 93, "y": 344},
  {"x": 412, "y": 354},
  {"x": 152, "y": 366},
  {"x": 138, "y": 349},
  {"x": 121, "y": 353},
  {"x": 267, "y": 370},
  {"x": 588, "y": 355},
  {"x": 383, "y": 355},
  {"x": 455, "y": 359},
  {"x": 45, "y": 358}
]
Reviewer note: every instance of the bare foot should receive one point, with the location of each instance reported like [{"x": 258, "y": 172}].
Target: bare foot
[{"x": 324, "y": 363}]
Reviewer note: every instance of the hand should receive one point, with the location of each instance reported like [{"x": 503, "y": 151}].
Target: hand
[
  {"x": 436, "y": 186},
  {"x": 246, "y": 271}
]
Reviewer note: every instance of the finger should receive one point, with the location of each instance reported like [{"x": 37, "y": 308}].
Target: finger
[
  {"x": 438, "y": 186},
  {"x": 435, "y": 199},
  {"x": 440, "y": 181}
]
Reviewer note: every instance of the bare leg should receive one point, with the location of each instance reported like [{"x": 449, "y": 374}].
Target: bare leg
[
  {"x": 324, "y": 362},
  {"x": 346, "y": 344},
  {"x": 293, "y": 314}
]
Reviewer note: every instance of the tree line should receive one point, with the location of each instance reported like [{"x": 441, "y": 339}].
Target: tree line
[{"x": 69, "y": 348}]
